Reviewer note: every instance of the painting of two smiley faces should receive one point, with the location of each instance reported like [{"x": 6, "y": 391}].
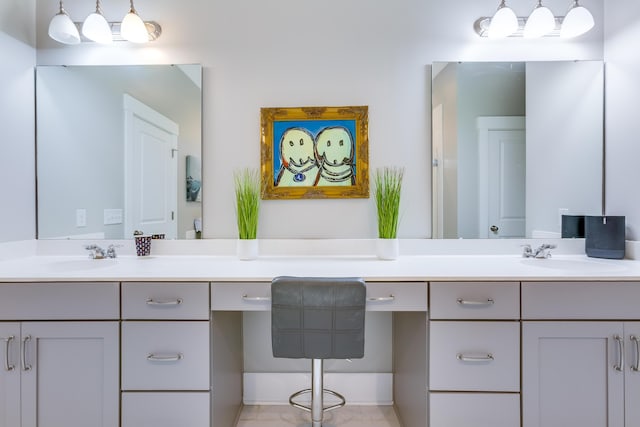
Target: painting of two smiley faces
[{"x": 315, "y": 153}]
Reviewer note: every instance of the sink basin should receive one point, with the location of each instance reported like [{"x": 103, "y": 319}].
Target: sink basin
[
  {"x": 578, "y": 264},
  {"x": 75, "y": 264}
]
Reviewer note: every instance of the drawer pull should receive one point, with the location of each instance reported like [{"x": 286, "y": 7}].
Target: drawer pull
[
  {"x": 164, "y": 357},
  {"x": 164, "y": 303},
  {"x": 471, "y": 303},
  {"x": 391, "y": 297},
  {"x": 246, "y": 297},
  {"x": 636, "y": 367},
  {"x": 620, "y": 365},
  {"x": 7, "y": 366},
  {"x": 25, "y": 341},
  {"x": 475, "y": 359}
]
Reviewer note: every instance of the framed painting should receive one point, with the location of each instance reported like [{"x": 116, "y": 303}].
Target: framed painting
[{"x": 314, "y": 152}]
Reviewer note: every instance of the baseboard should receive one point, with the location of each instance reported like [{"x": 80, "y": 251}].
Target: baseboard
[{"x": 274, "y": 388}]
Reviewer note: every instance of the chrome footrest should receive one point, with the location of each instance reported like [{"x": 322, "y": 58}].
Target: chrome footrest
[{"x": 324, "y": 408}]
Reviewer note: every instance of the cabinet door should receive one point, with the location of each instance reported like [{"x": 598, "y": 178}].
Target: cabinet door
[
  {"x": 10, "y": 375},
  {"x": 632, "y": 374},
  {"x": 569, "y": 375},
  {"x": 72, "y": 374}
]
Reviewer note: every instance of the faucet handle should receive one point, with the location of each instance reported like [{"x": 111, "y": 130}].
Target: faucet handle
[
  {"x": 111, "y": 251},
  {"x": 526, "y": 250}
]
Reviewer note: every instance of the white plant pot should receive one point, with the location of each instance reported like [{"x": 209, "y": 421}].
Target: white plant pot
[
  {"x": 387, "y": 249},
  {"x": 247, "y": 249}
]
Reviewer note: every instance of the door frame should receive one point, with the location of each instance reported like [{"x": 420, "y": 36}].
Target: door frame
[{"x": 485, "y": 125}]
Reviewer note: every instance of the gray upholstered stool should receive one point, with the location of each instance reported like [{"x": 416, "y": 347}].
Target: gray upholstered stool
[{"x": 317, "y": 318}]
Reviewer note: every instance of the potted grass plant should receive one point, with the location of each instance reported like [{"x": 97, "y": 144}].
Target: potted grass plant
[
  {"x": 247, "y": 189},
  {"x": 388, "y": 186}
]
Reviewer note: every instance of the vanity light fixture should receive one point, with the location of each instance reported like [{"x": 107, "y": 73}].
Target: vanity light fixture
[
  {"x": 577, "y": 22},
  {"x": 62, "y": 29},
  {"x": 96, "y": 28},
  {"x": 540, "y": 23},
  {"x": 133, "y": 27},
  {"x": 504, "y": 22}
]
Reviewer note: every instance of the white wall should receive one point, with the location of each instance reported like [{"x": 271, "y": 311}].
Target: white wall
[
  {"x": 17, "y": 154},
  {"x": 291, "y": 53},
  {"x": 621, "y": 109}
]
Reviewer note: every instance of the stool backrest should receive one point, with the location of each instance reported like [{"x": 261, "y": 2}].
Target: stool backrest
[{"x": 317, "y": 318}]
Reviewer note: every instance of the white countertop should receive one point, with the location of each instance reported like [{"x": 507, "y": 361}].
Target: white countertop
[{"x": 420, "y": 260}]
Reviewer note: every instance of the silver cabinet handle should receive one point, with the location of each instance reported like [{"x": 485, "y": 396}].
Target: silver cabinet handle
[
  {"x": 620, "y": 365},
  {"x": 164, "y": 303},
  {"x": 636, "y": 366},
  {"x": 391, "y": 297},
  {"x": 246, "y": 297},
  {"x": 475, "y": 359},
  {"x": 7, "y": 341},
  {"x": 25, "y": 341},
  {"x": 164, "y": 357},
  {"x": 472, "y": 303}
]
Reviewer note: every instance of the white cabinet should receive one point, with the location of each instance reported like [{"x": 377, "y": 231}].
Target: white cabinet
[
  {"x": 474, "y": 354},
  {"x": 580, "y": 358},
  {"x": 62, "y": 372},
  {"x": 59, "y": 374},
  {"x": 165, "y": 377}
]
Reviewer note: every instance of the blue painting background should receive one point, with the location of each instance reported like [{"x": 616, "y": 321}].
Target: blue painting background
[{"x": 313, "y": 126}]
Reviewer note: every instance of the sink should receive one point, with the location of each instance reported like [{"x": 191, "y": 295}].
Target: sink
[{"x": 579, "y": 264}]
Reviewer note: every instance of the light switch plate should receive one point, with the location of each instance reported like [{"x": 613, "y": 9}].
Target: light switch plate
[
  {"x": 81, "y": 217},
  {"x": 112, "y": 216}
]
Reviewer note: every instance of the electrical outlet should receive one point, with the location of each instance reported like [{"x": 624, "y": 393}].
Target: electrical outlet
[
  {"x": 81, "y": 217},
  {"x": 112, "y": 216}
]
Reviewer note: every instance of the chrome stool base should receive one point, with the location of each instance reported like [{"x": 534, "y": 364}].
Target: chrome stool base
[{"x": 317, "y": 391}]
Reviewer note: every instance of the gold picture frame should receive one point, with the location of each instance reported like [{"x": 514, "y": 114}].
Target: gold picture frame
[{"x": 314, "y": 152}]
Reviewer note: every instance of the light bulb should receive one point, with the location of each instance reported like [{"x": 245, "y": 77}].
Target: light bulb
[
  {"x": 577, "y": 22},
  {"x": 62, "y": 29},
  {"x": 503, "y": 23},
  {"x": 96, "y": 27},
  {"x": 540, "y": 22},
  {"x": 133, "y": 28}
]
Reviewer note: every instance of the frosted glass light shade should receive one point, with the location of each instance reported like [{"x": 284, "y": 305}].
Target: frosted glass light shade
[
  {"x": 133, "y": 28},
  {"x": 63, "y": 30},
  {"x": 503, "y": 24},
  {"x": 540, "y": 22},
  {"x": 577, "y": 22},
  {"x": 96, "y": 28}
]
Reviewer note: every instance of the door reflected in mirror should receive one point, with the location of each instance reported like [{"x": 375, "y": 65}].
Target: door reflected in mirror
[
  {"x": 112, "y": 150},
  {"x": 515, "y": 145}
]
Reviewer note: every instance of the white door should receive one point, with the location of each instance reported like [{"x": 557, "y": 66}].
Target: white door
[
  {"x": 502, "y": 183},
  {"x": 72, "y": 376},
  {"x": 569, "y": 376},
  {"x": 10, "y": 375},
  {"x": 632, "y": 374},
  {"x": 150, "y": 171}
]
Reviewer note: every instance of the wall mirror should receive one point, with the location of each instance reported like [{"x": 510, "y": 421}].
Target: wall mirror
[
  {"x": 118, "y": 150},
  {"x": 515, "y": 146}
]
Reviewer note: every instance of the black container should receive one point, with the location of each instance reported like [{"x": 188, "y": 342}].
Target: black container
[
  {"x": 573, "y": 226},
  {"x": 605, "y": 236}
]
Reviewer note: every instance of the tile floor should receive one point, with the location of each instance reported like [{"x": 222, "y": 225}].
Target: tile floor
[{"x": 287, "y": 416}]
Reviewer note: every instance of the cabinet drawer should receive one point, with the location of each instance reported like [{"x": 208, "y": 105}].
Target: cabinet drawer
[
  {"x": 474, "y": 356},
  {"x": 59, "y": 301},
  {"x": 165, "y": 355},
  {"x": 165, "y": 409},
  {"x": 165, "y": 300},
  {"x": 381, "y": 296},
  {"x": 474, "y": 409},
  {"x": 580, "y": 300},
  {"x": 475, "y": 300}
]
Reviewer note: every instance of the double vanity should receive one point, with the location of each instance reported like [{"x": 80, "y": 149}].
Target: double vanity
[{"x": 486, "y": 340}]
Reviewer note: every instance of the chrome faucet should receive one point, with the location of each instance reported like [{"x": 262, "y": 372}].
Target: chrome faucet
[
  {"x": 96, "y": 252},
  {"x": 541, "y": 252}
]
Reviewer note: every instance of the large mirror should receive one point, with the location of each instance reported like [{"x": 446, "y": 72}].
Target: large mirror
[
  {"x": 118, "y": 151},
  {"x": 515, "y": 146}
]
